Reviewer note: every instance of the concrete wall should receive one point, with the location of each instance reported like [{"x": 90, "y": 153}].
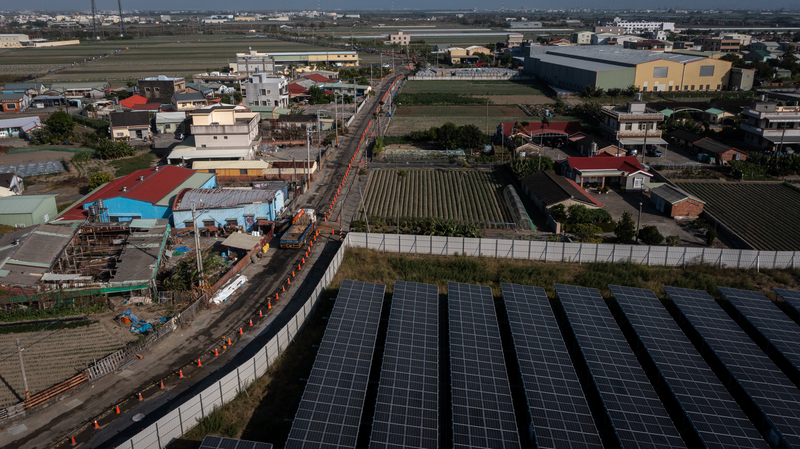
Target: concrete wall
[
  {"x": 245, "y": 214},
  {"x": 125, "y": 209}
]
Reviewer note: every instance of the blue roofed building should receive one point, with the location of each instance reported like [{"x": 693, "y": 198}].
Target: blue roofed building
[{"x": 253, "y": 210}]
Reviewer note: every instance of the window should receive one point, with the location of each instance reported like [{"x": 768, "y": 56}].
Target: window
[
  {"x": 628, "y": 126},
  {"x": 157, "y": 89},
  {"x": 719, "y": 86},
  {"x": 209, "y": 223},
  {"x": 706, "y": 70},
  {"x": 242, "y": 171},
  {"x": 692, "y": 87},
  {"x": 113, "y": 219},
  {"x": 147, "y": 89},
  {"x": 11, "y": 106},
  {"x": 644, "y": 88},
  {"x": 269, "y": 91},
  {"x": 685, "y": 87},
  {"x": 708, "y": 87},
  {"x": 231, "y": 222},
  {"x": 637, "y": 183},
  {"x": 212, "y": 170},
  {"x": 203, "y": 146},
  {"x": 120, "y": 134},
  {"x": 263, "y": 91},
  {"x": 225, "y": 137},
  {"x": 660, "y": 72},
  {"x": 670, "y": 88},
  {"x": 188, "y": 223}
]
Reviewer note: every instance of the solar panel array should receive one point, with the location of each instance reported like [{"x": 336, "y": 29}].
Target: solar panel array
[
  {"x": 719, "y": 421},
  {"x": 407, "y": 409},
  {"x": 212, "y": 442},
  {"x": 483, "y": 413},
  {"x": 638, "y": 416},
  {"x": 769, "y": 388},
  {"x": 329, "y": 414},
  {"x": 559, "y": 410},
  {"x": 791, "y": 297},
  {"x": 769, "y": 321}
]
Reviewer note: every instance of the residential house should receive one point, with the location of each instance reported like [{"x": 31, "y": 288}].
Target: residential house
[
  {"x": 203, "y": 89},
  {"x": 134, "y": 125},
  {"x": 741, "y": 79},
  {"x": 27, "y": 210},
  {"x": 716, "y": 116},
  {"x": 248, "y": 209},
  {"x": 48, "y": 101},
  {"x": 265, "y": 91},
  {"x": 132, "y": 101},
  {"x": 28, "y": 254},
  {"x": 291, "y": 170},
  {"x": 296, "y": 121},
  {"x": 590, "y": 146},
  {"x": 188, "y": 102},
  {"x": 400, "y": 38},
  {"x": 347, "y": 89},
  {"x": 170, "y": 122},
  {"x": 227, "y": 79},
  {"x": 767, "y": 46},
  {"x": 633, "y": 126},
  {"x": 19, "y": 127},
  {"x": 684, "y": 138},
  {"x": 221, "y": 132},
  {"x": 675, "y": 202},
  {"x": 581, "y": 38},
  {"x": 80, "y": 89},
  {"x": 712, "y": 43},
  {"x": 12, "y": 182},
  {"x": 772, "y": 127},
  {"x": 14, "y": 102},
  {"x": 548, "y": 190},
  {"x": 232, "y": 169},
  {"x": 625, "y": 171},
  {"x": 610, "y": 30},
  {"x": 647, "y": 44},
  {"x": 782, "y": 73},
  {"x": 514, "y": 40},
  {"x": 160, "y": 89},
  {"x": 718, "y": 152},
  {"x": 319, "y": 78},
  {"x": 145, "y": 194},
  {"x": 30, "y": 89},
  {"x": 458, "y": 55},
  {"x": 759, "y": 56}
]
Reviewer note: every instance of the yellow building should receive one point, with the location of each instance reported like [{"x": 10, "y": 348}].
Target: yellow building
[
  {"x": 460, "y": 55},
  {"x": 13, "y": 40},
  {"x": 266, "y": 62}
]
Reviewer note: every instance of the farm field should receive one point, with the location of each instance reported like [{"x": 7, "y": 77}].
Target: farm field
[
  {"x": 764, "y": 214},
  {"x": 469, "y": 195},
  {"x": 51, "y": 357},
  {"x": 178, "y": 55},
  {"x": 473, "y": 87}
]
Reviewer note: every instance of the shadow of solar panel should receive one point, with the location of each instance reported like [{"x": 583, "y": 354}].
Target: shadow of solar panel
[
  {"x": 558, "y": 407},
  {"x": 407, "y": 409},
  {"x": 792, "y": 300},
  {"x": 719, "y": 421},
  {"x": 329, "y": 413},
  {"x": 638, "y": 416},
  {"x": 767, "y": 387},
  {"x": 212, "y": 442},
  {"x": 483, "y": 413},
  {"x": 782, "y": 334}
]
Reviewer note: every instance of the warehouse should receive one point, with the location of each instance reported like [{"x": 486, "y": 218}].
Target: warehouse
[
  {"x": 251, "y": 210},
  {"x": 608, "y": 67},
  {"x": 27, "y": 210}
]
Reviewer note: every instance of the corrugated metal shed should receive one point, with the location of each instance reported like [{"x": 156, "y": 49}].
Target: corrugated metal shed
[
  {"x": 220, "y": 198},
  {"x": 21, "y": 204},
  {"x": 241, "y": 165},
  {"x": 196, "y": 181},
  {"x": 170, "y": 117}
]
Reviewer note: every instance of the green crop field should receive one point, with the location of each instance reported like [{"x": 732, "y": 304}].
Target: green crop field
[
  {"x": 765, "y": 215},
  {"x": 470, "y": 196},
  {"x": 474, "y": 87},
  {"x": 178, "y": 55}
]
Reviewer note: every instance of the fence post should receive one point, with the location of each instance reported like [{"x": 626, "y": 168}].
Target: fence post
[
  {"x": 463, "y": 246},
  {"x": 666, "y": 258},
  {"x": 545, "y": 251},
  {"x": 513, "y": 244},
  {"x": 684, "y": 258},
  {"x": 649, "y": 248},
  {"x": 239, "y": 379},
  {"x": 794, "y": 253},
  {"x": 580, "y": 253},
  {"x": 614, "y": 254},
  {"x": 180, "y": 419},
  {"x": 158, "y": 437},
  {"x": 775, "y": 260},
  {"x": 630, "y": 255},
  {"x": 703, "y": 256},
  {"x": 563, "y": 251},
  {"x": 530, "y": 243},
  {"x": 202, "y": 410},
  {"x": 758, "y": 262},
  {"x": 447, "y": 246},
  {"x": 496, "y": 248},
  {"x": 739, "y": 260}
]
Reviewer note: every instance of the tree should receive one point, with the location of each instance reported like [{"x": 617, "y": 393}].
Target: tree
[
  {"x": 472, "y": 137},
  {"x": 578, "y": 214},
  {"x": 99, "y": 179},
  {"x": 238, "y": 97},
  {"x": 649, "y": 235},
  {"x": 448, "y": 135},
  {"x": 586, "y": 231},
  {"x": 316, "y": 94},
  {"x": 711, "y": 235},
  {"x": 81, "y": 156},
  {"x": 614, "y": 92},
  {"x": 673, "y": 240},
  {"x": 626, "y": 228},
  {"x": 60, "y": 124},
  {"x": 559, "y": 213}
]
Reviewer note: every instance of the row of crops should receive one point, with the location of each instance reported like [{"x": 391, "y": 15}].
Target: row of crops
[
  {"x": 469, "y": 196},
  {"x": 765, "y": 215}
]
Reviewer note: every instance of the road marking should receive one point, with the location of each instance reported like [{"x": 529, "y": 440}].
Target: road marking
[
  {"x": 16, "y": 430},
  {"x": 72, "y": 404}
]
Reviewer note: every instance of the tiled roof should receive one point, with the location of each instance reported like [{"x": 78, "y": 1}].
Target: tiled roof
[
  {"x": 318, "y": 78},
  {"x": 712, "y": 146},
  {"x": 141, "y": 118},
  {"x": 147, "y": 107},
  {"x": 132, "y": 101},
  {"x": 295, "y": 88},
  {"x": 535, "y": 128},
  {"x": 552, "y": 189},
  {"x": 627, "y": 164}
]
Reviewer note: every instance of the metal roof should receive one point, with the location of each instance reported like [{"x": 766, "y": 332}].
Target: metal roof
[
  {"x": 218, "y": 165},
  {"x": 592, "y": 66},
  {"x": 673, "y": 195},
  {"x": 242, "y": 241},
  {"x": 170, "y": 117},
  {"x": 712, "y": 146},
  {"x": 23, "y": 122},
  {"x": 39, "y": 246},
  {"x": 21, "y": 204},
  {"x": 34, "y": 169},
  {"x": 193, "y": 96},
  {"x": 221, "y": 198},
  {"x": 552, "y": 189},
  {"x": 613, "y": 54},
  {"x": 15, "y": 96},
  {"x": 189, "y": 154},
  {"x": 193, "y": 182}
]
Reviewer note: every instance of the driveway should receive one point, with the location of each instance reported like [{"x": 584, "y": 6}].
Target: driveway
[{"x": 617, "y": 203}]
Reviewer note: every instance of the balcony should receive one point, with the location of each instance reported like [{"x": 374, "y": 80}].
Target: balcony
[{"x": 771, "y": 133}]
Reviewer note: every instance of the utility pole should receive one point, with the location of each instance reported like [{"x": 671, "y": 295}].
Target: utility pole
[
  {"x": 22, "y": 368},
  {"x": 197, "y": 246},
  {"x": 308, "y": 157},
  {"x": 121, "y": 23},
  {"x": 319, "y": 140},
  {"x": 638, "y": 221},
  {"x": 644, "y": 147},
  {"x": 94, "y": 21}
]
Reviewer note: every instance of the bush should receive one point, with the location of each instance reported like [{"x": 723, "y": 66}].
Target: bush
[
  {"x": 585, "y": 231},
  {"x": 559, "y": 213},
  {"x": 107, "y": 149},
  {"x": 649, "y": 235},
  {"x": 579, "y": 214},
  {"x": 81, "y": 156},
  {"x": 99, "y": 179},
  {"x": 711, "y": 235},
  {"x": 673, "y": 240}
]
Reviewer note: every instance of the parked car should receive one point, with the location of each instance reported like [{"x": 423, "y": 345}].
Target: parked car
[{"x": 654, "y": 151}]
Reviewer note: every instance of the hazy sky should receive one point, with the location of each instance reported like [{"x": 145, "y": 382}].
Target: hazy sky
[{"x": 330, "y": 5}]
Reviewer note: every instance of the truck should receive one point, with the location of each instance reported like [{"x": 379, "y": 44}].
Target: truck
[{"x": 303, "y": 225}]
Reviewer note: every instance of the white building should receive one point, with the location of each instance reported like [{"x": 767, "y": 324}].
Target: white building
[
  {"x": 772, "y": 127},
  {"x": 265, "y": 91},
  {"x": 400, "y": 38},
  {"x": 642, "y": 27}
]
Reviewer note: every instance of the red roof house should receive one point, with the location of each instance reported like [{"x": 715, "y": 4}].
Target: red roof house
[
  {"x": 143, "y": 194},
  {"x": 626, "y": 171},
  {"x": 553, "y": 129},
  {"x": 130, "y": 102},
  {"x": 318, "y": 78},
  {"x": 296, "y": 89}
]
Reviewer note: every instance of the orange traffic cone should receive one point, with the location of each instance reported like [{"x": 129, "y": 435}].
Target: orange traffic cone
[
  {"x": 116, "y": 409},
  {"x": 333, "y": 231},
  {"x": 304, "y": 260},
  {"x": 180, "y": 374},
  {"x": 283, "y": 288},
  {"x": 140, "y": 397},
  {"x": 161, "y": 386},
  {"x": 276, "y": 296},
  {"x": 199, "y": 364},
  {"x": 251, "y": 321},
  {"x": 298, "y": 267},
  {"x": 293, "y": 275},
  {"x": 96, "y": 426},
  {"x": 337, "y": 219},
  {"x": 229, "y": 341},
  {"x": 240, "y": 331},
  {"x": 216, "y": 352},
  {"x": 259, "y": 313},
  {"x": 269, "y": 305},
  {"x": 72, "y": 441}
]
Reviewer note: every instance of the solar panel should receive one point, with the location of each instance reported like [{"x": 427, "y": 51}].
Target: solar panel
[
  {"x": 561, "y": 416},
  {"x": 776, "y": 327},
  {"x": 767, "y": 387},
  {"x": 212, "y": 442},
  {"x": 483, "y": 414},
  {"x": 713, "y": 412},
  {"x": 329, "y": 414},
  {"x": 792, "y": 299},
  {"x": 407, "y": 409},
  {"x": 638, "y": 416}
]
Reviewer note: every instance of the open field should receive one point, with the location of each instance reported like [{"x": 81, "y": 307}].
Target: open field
[
  {"x": 51, "y": 357},
  {"x": 416, "y": 118},
  {"x": 179, "y": 55},
  {"x": 474, "y": 87},
  {"x": 764, "y": 214},
  {"x": 471, "y": 196}
]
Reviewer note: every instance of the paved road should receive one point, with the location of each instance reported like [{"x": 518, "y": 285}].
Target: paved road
[{"x": 54, "y": 424}]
